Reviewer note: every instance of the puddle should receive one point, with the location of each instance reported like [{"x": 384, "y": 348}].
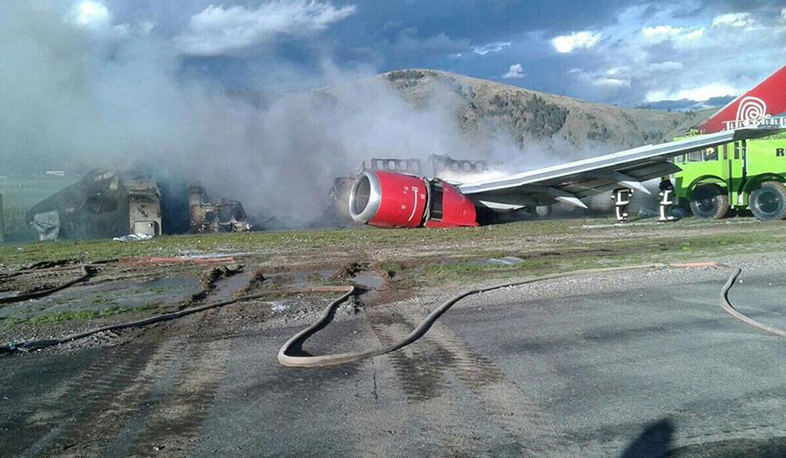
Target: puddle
[
  {"x": 369, "y": 279},
  {"x": 504, "y": 261},
  {"x": 4, "y": 294},
  {"x": 123, "y": 294},
  {"x": 226, "y": 286}
]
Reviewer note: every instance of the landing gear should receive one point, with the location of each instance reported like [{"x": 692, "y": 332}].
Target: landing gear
[
  {"x": 666, "y": 201},
  {"x": 769, "y": 201},
  {"x": 709, "y": 201},
  {"x": 621, "y": 198}
]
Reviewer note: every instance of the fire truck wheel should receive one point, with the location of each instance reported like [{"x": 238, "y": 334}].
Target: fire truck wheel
[
  {"x": 543, "y": 211},
  {"x": 709, "y": 201},
  {"x": 769, "y": 201}
]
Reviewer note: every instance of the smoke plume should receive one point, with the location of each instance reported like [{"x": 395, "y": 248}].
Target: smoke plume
[{"x": 79, "y": 90}]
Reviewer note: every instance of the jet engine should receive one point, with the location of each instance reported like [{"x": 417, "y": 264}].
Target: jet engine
[{"x": 390, "y": 199}]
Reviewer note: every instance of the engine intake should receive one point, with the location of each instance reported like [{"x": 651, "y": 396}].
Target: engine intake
[{"x": 365, "y": 197}]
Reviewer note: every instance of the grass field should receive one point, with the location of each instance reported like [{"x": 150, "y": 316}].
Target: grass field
[
  {"x": 406, "y": 261},
  {"x": 426, "y": 256},
  {"x": 19, "y": 194}
]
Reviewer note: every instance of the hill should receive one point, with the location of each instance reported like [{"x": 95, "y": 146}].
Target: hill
[{"x": 484, "y": 108}]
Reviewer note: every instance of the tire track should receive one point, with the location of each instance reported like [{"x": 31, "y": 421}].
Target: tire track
[
  {"x": 175, "y": 424},
  {"x": 180, "y": 403},
  {"x": 423, "y": 371},
  {"x": 506, "y": 404},
  {"x": 112, "y": 424},
  {"x": 94, "y": 392},
  {"x": 420, "y": 370}
]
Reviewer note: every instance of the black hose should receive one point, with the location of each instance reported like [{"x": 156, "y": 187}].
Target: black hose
[
  {"x": 341, "y": 358},
  {"x": 87, "y": 271},
  {"x": 39, "y": 344},
  {"x": 316, "y": 361},
  {"x": 736, "y": 314}
]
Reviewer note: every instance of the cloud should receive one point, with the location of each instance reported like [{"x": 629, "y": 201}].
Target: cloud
[
  {"x": 514, "y": 72},
  {"x": 97, "y": 20},
  {"x": 491, "y": 47},
  {"x": 705, "y": 55},
  {"x": 577, "y": 40},
  {"x": 612, "y": 78},
  {"x": 783, "y": 13},
  {"x": 661, "y": 33},
  {"x": 704, "y": 92},
  {"x": 219, "y": 30},
  {"x": 668, "y": 66},
  {"x": 734, "y": 20},
  {"x": 89, "y": 14}
]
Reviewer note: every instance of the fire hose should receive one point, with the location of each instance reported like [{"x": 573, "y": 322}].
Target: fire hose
[
  {"x": 87, "y": 272},
  {"x": 286, "y": 359},
  {"x": 316, "y": 361}
]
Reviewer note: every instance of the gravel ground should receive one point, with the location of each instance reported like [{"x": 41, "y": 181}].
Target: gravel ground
[
  {"x": 623, "y": 364},
  {"x": 636, "y": 363}
]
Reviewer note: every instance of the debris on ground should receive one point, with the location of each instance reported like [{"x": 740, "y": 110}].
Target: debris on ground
[
  {"x": 124, "y": 204},
  {"x": 223, "y": 216},
  {"x": 151, "y": 260},
  {"x": 210, "y": 278},
  {"x": 278, "y": 307},
  {"x": 103, "y": 204},
  {"x": 133, "y": 237},
  {"x": 50, "y": 264}
]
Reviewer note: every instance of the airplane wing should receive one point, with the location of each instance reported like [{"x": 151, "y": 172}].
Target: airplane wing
[{"x": 575, "y": 180}]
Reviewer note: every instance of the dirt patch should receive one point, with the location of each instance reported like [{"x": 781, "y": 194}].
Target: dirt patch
[
  {"x": 347, "y": 271},
  {"x": 210, "y": 278},
  {"x": 255, "y": 283}
]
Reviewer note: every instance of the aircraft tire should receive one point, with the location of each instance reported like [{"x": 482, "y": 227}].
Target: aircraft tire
[
  {"x": 769, "y": 201},
  {"x": 709, "y": 201}
]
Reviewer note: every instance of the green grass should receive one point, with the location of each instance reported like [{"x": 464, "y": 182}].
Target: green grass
[
  {"x": 424, "y": 258},
  {"x": 366, "y": 244},
  {"x": 83, "y": 315}
]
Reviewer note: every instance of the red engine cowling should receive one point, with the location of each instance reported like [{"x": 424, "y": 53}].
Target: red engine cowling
[{"x": 389, "y": 199}]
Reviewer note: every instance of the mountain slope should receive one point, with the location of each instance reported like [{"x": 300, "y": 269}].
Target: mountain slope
[{"x": 485, "y": 108}]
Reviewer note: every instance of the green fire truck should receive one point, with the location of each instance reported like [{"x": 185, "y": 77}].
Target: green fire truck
[{"x": 736, "y": 177}]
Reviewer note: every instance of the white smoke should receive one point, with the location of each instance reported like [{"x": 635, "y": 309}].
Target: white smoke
[{"x": 77, "y": 87}]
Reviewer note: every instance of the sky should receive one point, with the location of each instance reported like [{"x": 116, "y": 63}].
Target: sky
[{"x": 631, "y": 53}]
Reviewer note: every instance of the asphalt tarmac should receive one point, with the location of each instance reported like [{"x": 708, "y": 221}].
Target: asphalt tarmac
[{"x": 626, "y": 365}]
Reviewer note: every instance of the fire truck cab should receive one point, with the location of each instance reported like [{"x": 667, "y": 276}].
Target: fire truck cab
[{"x": 745, "y": 175}]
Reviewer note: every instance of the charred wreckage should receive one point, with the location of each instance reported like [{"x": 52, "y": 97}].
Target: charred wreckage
[{"x": 108, "y": 203}]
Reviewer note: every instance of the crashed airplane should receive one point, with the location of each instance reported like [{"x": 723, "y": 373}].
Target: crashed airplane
[
  {"x": 386, "y": 198},
  {"x": 107, "y": 203}
]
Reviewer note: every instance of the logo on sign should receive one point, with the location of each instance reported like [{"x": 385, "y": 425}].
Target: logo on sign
[{"x": 752, "y": 112}]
